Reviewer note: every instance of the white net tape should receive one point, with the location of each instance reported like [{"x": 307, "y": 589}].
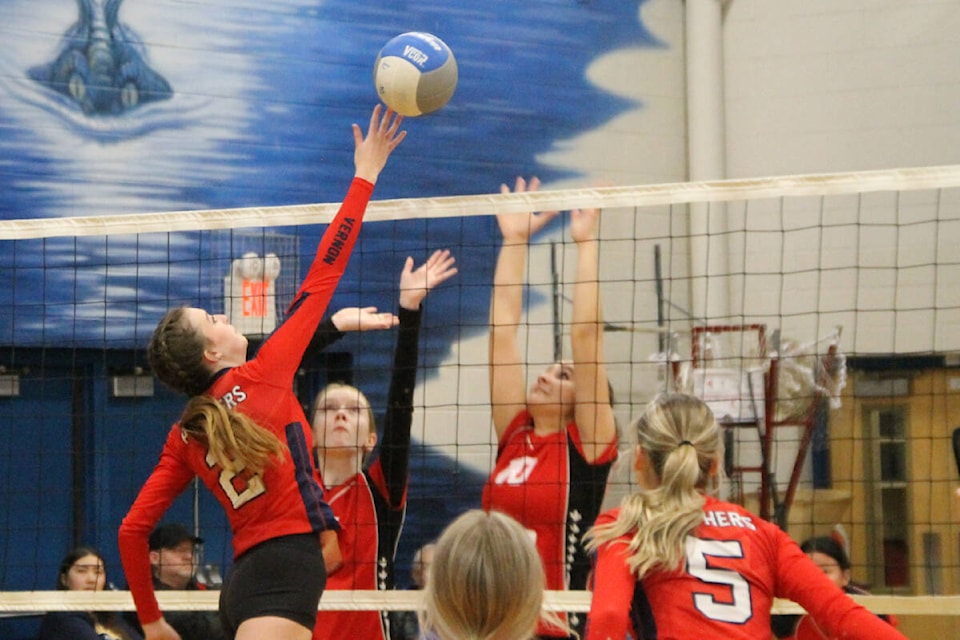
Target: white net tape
[
  {"x": 26, "y": 602},
  {"x": 633, "y": 196}
]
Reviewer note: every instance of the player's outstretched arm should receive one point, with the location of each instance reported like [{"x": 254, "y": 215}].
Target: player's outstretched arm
[
  {"x": 594, "y": 415},
  {"x": 415, "y": 284},
  {"x": 508, "y": 394},
  {"x": 363, "y": 319}
]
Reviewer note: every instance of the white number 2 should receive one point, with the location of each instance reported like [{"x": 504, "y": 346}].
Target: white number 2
[
  {"x": 740, "y": 607},
  {"x": 252, "y": 486}
]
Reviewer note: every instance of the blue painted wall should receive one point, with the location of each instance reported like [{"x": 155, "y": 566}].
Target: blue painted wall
[{"x": 230, "y": 104}]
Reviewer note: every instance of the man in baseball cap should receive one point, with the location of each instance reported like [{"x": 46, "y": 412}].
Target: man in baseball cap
[{"x": 173, "y": 557}]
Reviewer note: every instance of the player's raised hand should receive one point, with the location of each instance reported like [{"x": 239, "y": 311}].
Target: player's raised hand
[
  {"x": 363, "y": 319},
  {"x": 415, "y": 284},
  {"x": 383, "y": 136},
  {"x": 584, "y": 224},
  {"x": 517, "y": 228}
]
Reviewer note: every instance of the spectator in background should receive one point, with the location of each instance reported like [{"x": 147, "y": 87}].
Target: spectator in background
[
  {"x": 404, "y": 624},
  {"x": 829, "y": 554},
  {"x": 83, "y": 569},
  {"x": 422, "y": 560},
  {"x": 173, "y": 559}
]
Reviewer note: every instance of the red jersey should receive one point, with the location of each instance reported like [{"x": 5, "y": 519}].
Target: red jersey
[
  {"x": 546, "y": 484},
  {"x": 807, "y": 629},
  {"x": 365, "y": 560},
  {"x": 287, "y": 498},
  {"x": 736, "y": 564},
  {"x": 371, "y": 506}
]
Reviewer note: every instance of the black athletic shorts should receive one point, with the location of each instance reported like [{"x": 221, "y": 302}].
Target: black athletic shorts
[{"x": 281, "y": 577}]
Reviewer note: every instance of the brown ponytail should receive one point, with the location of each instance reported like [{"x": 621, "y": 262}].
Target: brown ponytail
[{"x": 233, "y": 439}]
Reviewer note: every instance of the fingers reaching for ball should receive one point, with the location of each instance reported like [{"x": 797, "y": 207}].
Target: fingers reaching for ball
[{"x": 373, "y": 150}]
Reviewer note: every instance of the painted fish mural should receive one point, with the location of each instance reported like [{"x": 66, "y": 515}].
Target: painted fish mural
[{"x": 101, "y": 67}]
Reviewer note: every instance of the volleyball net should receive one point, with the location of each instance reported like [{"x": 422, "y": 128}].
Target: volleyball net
[{"x": 818, "y": 315}]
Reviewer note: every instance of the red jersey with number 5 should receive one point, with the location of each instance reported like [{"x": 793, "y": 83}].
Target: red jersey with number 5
[{"x": 735, "y": 565}]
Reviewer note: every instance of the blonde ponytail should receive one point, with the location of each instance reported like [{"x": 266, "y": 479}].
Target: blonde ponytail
[{"x": 683, "y": 444}]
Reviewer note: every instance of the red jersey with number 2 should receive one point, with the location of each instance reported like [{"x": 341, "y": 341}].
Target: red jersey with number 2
[{"x": 287, "y": 498}]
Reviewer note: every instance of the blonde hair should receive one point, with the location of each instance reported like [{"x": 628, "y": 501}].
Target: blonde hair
[
  {"x": 683, "y": 444},
  {"x": 334, "y": 386},
  {"x": 318, "y": 402},
  {"x": 233, "y": 439},
  {"x": 486, "y": 581}
]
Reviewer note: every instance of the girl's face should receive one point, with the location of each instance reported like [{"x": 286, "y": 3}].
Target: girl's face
[
  {"x": 341, "y": 422},
  {"x": 554, "y": 386},
  {"x": 86, "y": 574},
  {"x": 222, "y": 341},
  {"x": 840, "y": 577}
]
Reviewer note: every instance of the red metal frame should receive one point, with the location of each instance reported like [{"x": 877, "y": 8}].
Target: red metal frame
[{"x": 771, "y": 390}]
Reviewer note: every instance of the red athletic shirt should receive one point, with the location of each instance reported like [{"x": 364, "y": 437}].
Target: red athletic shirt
[
  {"x": 288, "y": 498},
  {"x": 736, "y": 564},
  {"x": 546, "y": 484},
  {"x": 807, "y": 629},
  {"x": 365, "y": 565},
  {"x": 371, "y": 505}
]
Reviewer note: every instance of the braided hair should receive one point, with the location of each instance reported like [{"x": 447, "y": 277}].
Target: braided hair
[{"x": 175, "y": 354}]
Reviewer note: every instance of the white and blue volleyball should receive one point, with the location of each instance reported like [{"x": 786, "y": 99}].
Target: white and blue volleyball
[{"x": 415, "y": 73}]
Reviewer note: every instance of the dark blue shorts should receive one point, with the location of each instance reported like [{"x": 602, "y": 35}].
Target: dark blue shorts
[{"x": 281, "y": 577}]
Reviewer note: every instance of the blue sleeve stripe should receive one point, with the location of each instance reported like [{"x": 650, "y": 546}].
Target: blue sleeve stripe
[{"x": 318, "y": 511}]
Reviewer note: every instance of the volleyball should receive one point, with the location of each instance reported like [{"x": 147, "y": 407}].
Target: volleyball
[{"x": 415, "y": 73}]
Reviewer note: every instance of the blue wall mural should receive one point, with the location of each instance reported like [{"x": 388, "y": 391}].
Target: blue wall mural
[
  {"x": 112, "y": 106},
  {"x": 100, "y": 66}
]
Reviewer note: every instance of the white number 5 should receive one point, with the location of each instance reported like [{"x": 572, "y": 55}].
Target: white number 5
[{"x": 740, "y": 607}]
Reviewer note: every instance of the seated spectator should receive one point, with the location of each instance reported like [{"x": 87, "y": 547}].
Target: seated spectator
[
  {"x": 404, "y": 624},
  {"x": 828, "y": 554},
  {"x": 173, "y": 560},
  {"x": 83, "y": 569}
]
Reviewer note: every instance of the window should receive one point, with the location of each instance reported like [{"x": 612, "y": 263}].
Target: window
[{"x": 885, "y": 459}]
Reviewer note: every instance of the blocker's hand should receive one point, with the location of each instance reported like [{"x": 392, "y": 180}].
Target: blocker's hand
[
  {"x": 518, "y": 228},
  {"x": 363, "y": 319}
]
